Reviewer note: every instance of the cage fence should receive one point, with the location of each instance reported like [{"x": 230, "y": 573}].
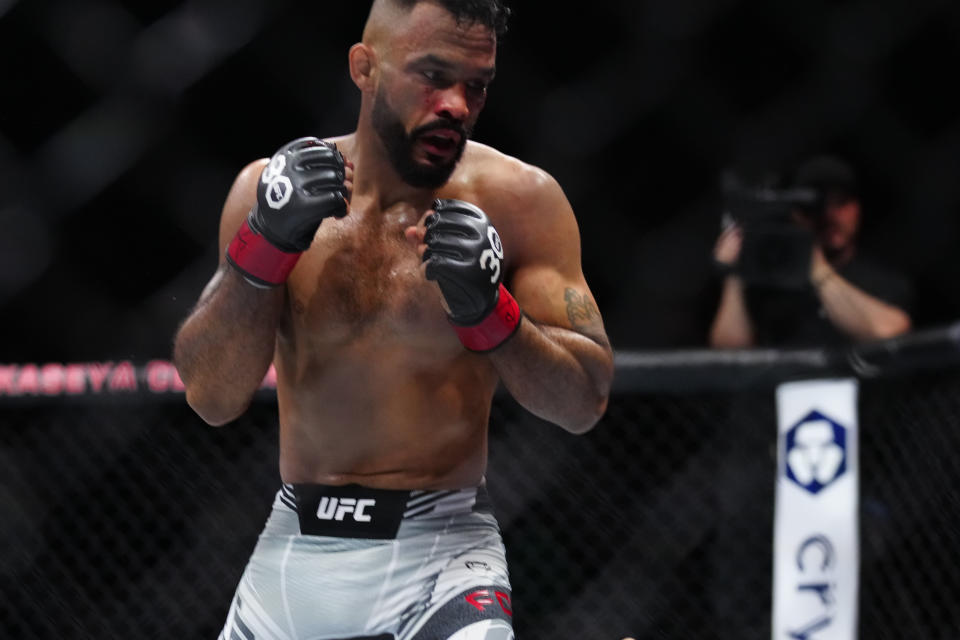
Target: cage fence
[{"x": 126, "y": 516}]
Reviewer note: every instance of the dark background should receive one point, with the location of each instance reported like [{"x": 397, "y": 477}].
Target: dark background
[{"x": 123, "y": 124}]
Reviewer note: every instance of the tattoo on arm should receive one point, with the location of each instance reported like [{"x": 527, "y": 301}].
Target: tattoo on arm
[{"x": 581, "y": 311}]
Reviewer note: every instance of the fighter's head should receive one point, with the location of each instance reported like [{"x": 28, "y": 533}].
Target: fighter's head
[{"x": 423, "y": 68}]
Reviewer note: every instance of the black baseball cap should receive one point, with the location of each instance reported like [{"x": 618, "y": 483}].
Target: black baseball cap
[{"x": 828, "y": 174}]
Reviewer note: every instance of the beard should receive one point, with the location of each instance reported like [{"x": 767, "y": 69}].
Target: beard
[{"x": 399, "y": 145}]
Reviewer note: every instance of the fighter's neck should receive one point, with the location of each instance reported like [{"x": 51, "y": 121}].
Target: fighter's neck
[{"x": 374, "y": 177}]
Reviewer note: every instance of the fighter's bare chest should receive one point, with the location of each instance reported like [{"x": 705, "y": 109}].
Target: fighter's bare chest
[{"x": 362, "y": 275}]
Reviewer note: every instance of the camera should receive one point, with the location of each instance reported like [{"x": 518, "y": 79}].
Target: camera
[{"x": 776, "y": 246}]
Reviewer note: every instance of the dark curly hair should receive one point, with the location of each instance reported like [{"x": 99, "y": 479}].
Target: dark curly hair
[{"x": 493, "y": 14}]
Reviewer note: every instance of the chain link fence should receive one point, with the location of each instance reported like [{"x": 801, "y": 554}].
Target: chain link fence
[{"x": 125, "y": 516}]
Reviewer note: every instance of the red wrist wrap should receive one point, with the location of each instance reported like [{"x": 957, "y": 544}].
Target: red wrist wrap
[
  {"x": 259, "y": 260},
  {"x": 492, "y": 331}
]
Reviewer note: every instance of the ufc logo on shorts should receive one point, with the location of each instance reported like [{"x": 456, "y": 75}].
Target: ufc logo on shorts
[{"x": 337, "y": 508}]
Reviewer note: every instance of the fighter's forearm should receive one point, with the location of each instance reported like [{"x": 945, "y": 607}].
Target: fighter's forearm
[
  {"x": 557, "y": 374},
  {"x": 225, "y": 347}
]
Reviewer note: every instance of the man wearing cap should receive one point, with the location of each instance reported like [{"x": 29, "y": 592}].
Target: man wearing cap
[{"x": 849, "y": 298}]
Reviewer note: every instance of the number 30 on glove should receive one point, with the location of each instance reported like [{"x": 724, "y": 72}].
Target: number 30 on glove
[{"x": 464, "y": 256}]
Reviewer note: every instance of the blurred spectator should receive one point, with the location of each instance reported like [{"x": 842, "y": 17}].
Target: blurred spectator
[{"x": 806, "y": 282}]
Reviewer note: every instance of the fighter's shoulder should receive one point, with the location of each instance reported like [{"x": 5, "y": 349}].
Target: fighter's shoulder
[
  {"x": 250, "y": 173},
  {"x": 492, "y": 168},
  {"x": 243, "y": 192},
  {"x": 525, "y": 203}
]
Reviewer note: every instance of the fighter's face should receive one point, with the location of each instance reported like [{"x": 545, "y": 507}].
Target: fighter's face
[
  {"x": 432, "y": 88},
  {"x": 426, "y": 156}
]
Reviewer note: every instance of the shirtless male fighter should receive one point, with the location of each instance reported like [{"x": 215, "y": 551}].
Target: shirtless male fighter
[{"x": 394, "y": 276}]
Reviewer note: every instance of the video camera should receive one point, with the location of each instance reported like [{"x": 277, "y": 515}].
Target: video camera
[{"x": 776, "y": 246}]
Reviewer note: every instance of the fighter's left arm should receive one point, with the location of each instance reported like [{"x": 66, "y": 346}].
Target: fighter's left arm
[{"x": 559, "y": 364}]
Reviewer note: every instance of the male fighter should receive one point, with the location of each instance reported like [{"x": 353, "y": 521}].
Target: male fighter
[{"x": 394, "y": 276}]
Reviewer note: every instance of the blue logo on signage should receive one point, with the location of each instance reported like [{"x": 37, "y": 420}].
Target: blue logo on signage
[{"x": 816, "y": 452}]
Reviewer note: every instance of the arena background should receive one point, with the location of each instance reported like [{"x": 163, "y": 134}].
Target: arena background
[{"x": 122, "y": 125}]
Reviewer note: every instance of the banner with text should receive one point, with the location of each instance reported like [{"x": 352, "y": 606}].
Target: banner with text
[
  {"x": 816, "y": 545},
  {"x": 113, "y": 379}
]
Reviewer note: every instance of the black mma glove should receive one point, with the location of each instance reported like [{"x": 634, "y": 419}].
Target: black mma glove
[
  {"x": 464, "y": 256},
  {"x": 302, "y": 185}
]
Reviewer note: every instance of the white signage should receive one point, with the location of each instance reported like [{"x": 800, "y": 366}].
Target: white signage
[{"x": 816, "y": 545}]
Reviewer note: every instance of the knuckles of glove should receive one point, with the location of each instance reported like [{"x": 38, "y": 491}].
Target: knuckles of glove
[
  {"x": 456, "y": 238},
  {"x": 301, "y": 185}
]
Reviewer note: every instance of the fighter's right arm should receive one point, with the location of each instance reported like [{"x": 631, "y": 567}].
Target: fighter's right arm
[{"x": 225, "y": 346}]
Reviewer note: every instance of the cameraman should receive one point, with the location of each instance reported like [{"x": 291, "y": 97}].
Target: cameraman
[{"x": 843, "y": 296}]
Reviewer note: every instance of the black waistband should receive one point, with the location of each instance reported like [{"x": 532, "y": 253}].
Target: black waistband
[{"x": 352, "y": 511}]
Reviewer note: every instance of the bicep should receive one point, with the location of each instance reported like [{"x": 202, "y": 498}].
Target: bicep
[
  {"x": 547, "y": 280},
  {"x": 552, "y": 298}
]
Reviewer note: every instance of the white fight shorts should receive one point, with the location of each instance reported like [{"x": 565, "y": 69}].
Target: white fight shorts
[{"x": 352, "y": 563}]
